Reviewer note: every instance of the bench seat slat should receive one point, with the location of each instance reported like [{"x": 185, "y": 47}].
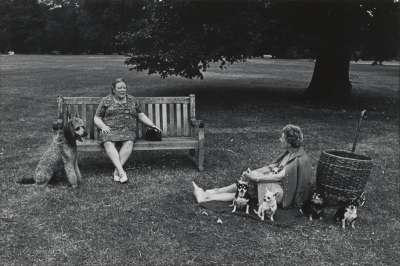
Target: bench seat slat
[
  {"x": 179, "y": 143},
  {"x": 173, "y": 143}
]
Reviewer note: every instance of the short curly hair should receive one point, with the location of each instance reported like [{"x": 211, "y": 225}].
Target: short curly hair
[
  {"x": 115, "y": 82},
  {"x": 293, "y": 135}
]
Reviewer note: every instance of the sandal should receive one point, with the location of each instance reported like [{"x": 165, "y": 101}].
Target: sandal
[
  {"x": 116, "y": 176},
  {"x": 123, "y": 177}
]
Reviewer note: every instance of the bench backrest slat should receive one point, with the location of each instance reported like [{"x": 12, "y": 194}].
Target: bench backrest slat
[
  {"x": 84, "y": 113},
  {"x": 157, "y": 118},
  {"x": 178, "y": 119},
  {"x": 148, "y": 110},
  {"x": 89, "y": 122},
  {"x": 185, "y": 120},
  {"x": 172, "y": 123},
  {"x": 171, "y": 114},
  {"x": 164, "y": 115}
]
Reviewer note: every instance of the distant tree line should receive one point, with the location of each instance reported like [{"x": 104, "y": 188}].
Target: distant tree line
[
  {"x": 65, "y": 26},
  {"x": 109, "y": 26}
]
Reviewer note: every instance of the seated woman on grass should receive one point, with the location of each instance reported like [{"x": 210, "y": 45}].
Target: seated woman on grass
[{"x": 290, "y": 175}]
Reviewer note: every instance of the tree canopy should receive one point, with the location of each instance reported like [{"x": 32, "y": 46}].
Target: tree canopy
[{"x": 183, "y": 37}]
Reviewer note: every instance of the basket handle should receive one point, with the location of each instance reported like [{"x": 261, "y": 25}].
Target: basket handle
[{"x": 362, "y": 116}]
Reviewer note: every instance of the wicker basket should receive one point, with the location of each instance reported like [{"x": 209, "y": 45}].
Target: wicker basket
[{"x": 342, "y": 175}]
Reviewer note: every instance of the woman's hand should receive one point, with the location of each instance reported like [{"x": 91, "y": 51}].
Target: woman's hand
[
  {"x": 156, "y": 127},
  {"x": 145, "y": 120},
  {"x": 105, "y": 129},
  {"x": 250, "y": 175},
  {"x": 254, "y": 176},
  {"x": 245, "y": 174},
  {"x": 100, "y": 124}
]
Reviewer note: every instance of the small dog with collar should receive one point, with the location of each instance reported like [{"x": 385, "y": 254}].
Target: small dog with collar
[
  {"x": 242, "y": 196},
  {"x": 313, "y": 208},
  {"x": 268, "y": 206},
  {"x": 347, "y": 212}
]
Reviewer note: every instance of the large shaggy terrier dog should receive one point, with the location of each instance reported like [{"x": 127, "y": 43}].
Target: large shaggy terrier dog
[{"x": 62, "y": 154}]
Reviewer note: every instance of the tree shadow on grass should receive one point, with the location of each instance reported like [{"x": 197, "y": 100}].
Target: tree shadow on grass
[
  {"x": 157, "y": 160},
  {"x": 223, "y": 97}
]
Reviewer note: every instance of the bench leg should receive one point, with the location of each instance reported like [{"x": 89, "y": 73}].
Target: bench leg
[
  {"x": 195, "y": 157},
  {"x": 200, "y": 152},
  {"x": 200, "y": 163}
]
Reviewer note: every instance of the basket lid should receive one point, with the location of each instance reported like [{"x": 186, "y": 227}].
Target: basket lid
[{"x": 347, "y": 155}]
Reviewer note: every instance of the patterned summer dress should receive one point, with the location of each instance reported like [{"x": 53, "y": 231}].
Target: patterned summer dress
[{"x": 120, "y": 117}]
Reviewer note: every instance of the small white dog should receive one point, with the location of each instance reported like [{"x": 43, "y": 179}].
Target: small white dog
[{"x": 268, "y": 206}]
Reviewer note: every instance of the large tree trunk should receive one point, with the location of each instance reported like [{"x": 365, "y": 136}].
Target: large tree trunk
[{"x": 330, "y": 80}]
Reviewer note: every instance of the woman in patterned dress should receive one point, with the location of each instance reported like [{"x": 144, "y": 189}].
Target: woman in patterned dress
[
  {"x": 116, "y": 118},
  {"x": 290, "y": 175}
]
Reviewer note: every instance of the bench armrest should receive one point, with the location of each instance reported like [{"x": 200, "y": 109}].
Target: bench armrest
[
  {"x": 197, "y": 123},
  {"x": 58, "y": 124}
]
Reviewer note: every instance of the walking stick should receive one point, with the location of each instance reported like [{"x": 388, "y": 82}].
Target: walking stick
[{"x": 362, "y": 116}]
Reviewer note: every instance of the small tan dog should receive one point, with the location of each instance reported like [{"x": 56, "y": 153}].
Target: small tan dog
[{"x": 268, "y": 206}]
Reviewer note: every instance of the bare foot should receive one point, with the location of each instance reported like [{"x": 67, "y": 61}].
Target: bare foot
[{"x": 198, "y": 192}]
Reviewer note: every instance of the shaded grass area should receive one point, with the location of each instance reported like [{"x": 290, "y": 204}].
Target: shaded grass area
[{"x": 153, "y": 219}]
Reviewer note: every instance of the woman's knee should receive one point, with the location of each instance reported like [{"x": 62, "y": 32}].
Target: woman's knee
[
  {"x": 109, "y": 144},
  {"x": 128, "y": 144},
  {"x": 127, "y": 147}
]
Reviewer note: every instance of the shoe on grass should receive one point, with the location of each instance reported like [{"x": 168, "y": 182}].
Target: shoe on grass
[
  {"x": 116, "y": 176},
  {"x": 123, "y": 177}
]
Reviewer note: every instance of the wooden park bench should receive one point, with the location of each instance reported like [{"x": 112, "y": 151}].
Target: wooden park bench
[{"x": 175, "y": 116}]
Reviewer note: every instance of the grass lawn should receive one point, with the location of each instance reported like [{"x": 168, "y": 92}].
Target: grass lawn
[{"x": 153, "y": 219}]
